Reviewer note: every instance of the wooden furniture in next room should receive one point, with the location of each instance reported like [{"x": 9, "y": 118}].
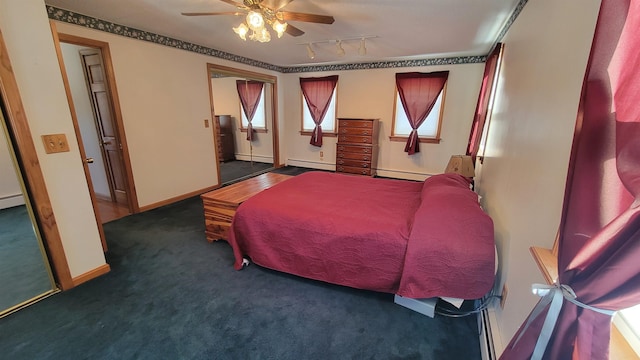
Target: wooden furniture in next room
[
  {"x": 223, "y": 129},
  {"x": 220, "y": 205},
  {"x": 357, "y": 147}
]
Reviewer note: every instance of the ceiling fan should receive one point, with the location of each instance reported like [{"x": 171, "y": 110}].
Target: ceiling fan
[{"x": 261, "y": 12}]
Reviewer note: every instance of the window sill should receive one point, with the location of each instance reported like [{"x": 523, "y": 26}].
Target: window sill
[
  {"x": 258, "y": 130},
  {"x": 547, "y": 260},
  {"x": 422, "y": 140},
  {"x": 327, "y": 134}
]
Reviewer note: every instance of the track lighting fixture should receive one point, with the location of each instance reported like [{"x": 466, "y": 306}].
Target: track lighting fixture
[
  {"x": 340, "y": 50},
  {"x": 363, "y": 49},
  {"x": 310, "y": 52}
]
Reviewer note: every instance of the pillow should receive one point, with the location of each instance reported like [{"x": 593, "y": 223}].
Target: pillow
[{"x": 443, "y": 181}]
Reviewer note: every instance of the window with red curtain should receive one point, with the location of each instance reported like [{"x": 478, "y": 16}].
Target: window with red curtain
[
  {"x": 485, "y": 100},
  {"x": 318, "y": 93},
  {"x": 249, "y": 92},
  {"x": 418, "y": 93},
  {"x": 599, "y": 235}
]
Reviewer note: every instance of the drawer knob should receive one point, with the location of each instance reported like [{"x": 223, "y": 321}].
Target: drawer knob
[{"x": 341, "y": 162}]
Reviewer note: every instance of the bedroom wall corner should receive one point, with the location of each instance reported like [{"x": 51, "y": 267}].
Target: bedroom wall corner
[
  {"x": 370, "y": 94},
  {"x": 526, "y": 156}
]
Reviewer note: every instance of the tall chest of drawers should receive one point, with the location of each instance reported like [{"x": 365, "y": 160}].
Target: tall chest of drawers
[{"x": 357, "y": 147}]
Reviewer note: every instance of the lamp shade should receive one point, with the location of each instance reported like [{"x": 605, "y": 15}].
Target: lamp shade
[{"x": 460, "y": 164}]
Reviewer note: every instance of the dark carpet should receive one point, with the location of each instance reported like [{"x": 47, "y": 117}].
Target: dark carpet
[
  {"x": 236, "y": 170},
  {"x": 172, "y": 295}
]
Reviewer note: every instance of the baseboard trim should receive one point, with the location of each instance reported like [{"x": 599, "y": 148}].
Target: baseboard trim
[
  {"x": 177, "y": 198},
  {"x": 11, "y": 201},
  {"x": 320, "y": 165},
  {"x": 254, "y": 157},
  {"x": 99, "y": 271},
  {"x": 491, "y": 345}
]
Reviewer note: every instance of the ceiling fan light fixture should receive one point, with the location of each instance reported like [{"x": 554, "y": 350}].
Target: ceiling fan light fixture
[
  {"x": 363, "y": 49},
  {"x": 255, "y": 21},
  {"x": 242, "y": 31},
  {"x": 279, "y": 27},
  {"x": 310, "y": 52}
]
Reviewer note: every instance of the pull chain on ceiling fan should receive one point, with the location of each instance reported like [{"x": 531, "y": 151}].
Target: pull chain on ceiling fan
[{"x": 259, "y": 13}]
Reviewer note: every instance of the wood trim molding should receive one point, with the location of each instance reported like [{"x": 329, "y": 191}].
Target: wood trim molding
[
  {"x": 25, "y": 149},
  {"x": 99, "y": 271},
  {"x": 117, "y": 112},
  {"x": 76, "y": 128},
  {"x": 251, "y": 75}
]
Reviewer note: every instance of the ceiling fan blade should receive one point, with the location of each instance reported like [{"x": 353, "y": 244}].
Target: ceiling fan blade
[
  {"x": 314, "y": 18},
  {"x": 236, "y": 4},
  {"x": 275, "y": 5},
  {"x": 293, "y": 31},
  {"x": 211, "y": 13}
]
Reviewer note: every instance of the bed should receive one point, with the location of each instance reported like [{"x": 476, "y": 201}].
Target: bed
[{"x": 414, "y": 239}]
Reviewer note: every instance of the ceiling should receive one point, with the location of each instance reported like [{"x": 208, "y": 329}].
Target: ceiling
[{"x": 402, "y": 29}]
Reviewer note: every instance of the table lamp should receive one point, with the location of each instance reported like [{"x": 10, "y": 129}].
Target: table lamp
[{"x": 460, "y": 164}]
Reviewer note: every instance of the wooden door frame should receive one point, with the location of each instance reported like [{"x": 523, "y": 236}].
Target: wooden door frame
[
  {"x": 18, "y": 127},
  {"x": 273, "y": 80},
  {"x": 117, "y": 113}
]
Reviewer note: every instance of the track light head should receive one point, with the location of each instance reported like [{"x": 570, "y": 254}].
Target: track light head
[
  {"x": 310, "y": 52},
  {"x": 363, "y": 49}
]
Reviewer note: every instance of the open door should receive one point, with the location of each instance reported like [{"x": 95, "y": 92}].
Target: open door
[{"x": 105, "y": 120}]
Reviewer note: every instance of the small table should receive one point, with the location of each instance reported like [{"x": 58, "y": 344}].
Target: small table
[{"x": 220, "y": 205}]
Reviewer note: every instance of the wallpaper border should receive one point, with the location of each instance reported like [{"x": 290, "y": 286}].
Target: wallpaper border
[{"x": 71, "y": 17}]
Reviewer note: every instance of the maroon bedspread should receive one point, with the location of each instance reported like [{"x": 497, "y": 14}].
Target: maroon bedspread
[{"x": 355, "y": 231}]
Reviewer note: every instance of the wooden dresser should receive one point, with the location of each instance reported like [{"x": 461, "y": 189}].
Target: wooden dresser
[
  {"x": 357, "y": 147},
  {"x": 223, "y": 129}
]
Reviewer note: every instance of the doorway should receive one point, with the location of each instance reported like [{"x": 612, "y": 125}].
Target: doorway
[
  {"x": 92, "y": 95},
  {"x": 239, "y": 158}
]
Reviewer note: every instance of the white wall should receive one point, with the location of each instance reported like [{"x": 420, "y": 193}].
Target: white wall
[
  {"x": 26, "y": 31},
  {"x": 370, "y": 94},
  {"x": 10, "y": 190},
  {"x": 84, "y": 114},
  {"x": 523, "y": 177}
]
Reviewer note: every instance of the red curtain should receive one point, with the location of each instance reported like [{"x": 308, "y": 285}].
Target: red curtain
[
  {"x": 482, "y": 108},
  {"x": 418, "y": 93},
  {"x": 317, "y": 93},
  {"x": 599, "y": 243},
  {"x": 249, "y": 92}
]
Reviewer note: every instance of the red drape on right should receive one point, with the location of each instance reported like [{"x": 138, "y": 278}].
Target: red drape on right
[
  {"x": 599, "y": 244},
  {"x": 482, "y": 108},
  {"x": 418, "y": 93}
]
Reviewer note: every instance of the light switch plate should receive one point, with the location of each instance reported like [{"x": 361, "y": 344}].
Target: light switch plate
[{"x": 55, "y": 143}]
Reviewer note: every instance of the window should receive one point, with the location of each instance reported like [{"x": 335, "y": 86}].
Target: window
[
  {"x": 430, "y": 129},
  {"x": 329, "y": 122},
  {"x": 418, "y": 108},
  {"x": 259, "y": 118}
]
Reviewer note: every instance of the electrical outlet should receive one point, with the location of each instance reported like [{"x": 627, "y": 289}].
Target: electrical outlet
[
  {"x": 55, "y": 143},
  {"x": 503, "y": 296},
  {"x": 321, "y": 155},
  {"x": 206, "y": 123}
]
